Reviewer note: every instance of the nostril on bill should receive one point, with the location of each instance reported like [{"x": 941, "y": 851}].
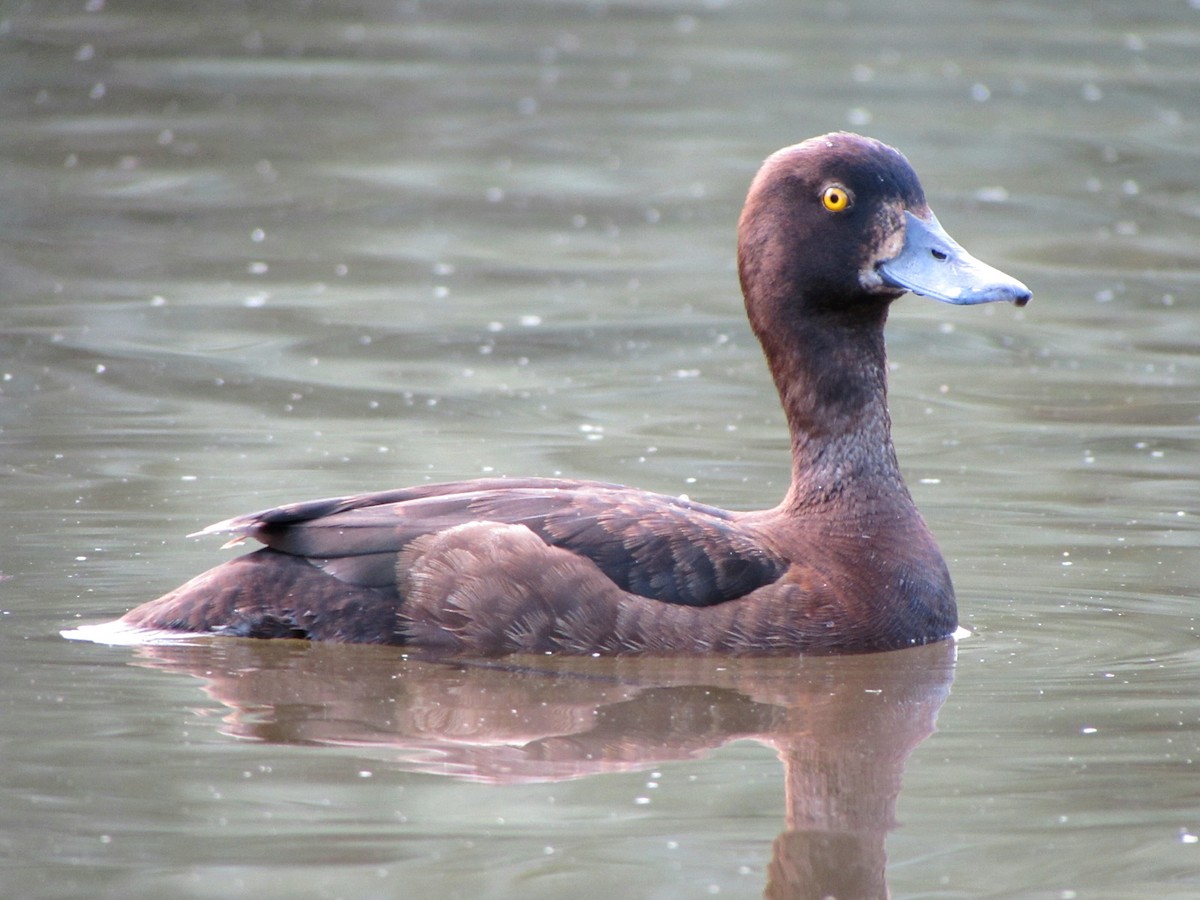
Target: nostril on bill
[{"x": 938, "y": 254}]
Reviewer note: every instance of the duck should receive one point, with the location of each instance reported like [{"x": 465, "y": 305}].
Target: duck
[{"x": 834, "y": 230}]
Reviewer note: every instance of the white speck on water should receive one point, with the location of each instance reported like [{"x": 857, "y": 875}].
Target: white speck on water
[{"x": 858, "y": 116}]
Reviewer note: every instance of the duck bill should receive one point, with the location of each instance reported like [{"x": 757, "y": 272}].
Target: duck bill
[{"x": 932, "y": 264}]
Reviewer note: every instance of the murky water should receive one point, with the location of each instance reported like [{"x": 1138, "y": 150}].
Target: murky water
[{"x": 295, "y": 250}]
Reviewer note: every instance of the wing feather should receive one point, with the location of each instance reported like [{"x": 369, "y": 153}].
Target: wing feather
[{"x": 652, "y": 545}]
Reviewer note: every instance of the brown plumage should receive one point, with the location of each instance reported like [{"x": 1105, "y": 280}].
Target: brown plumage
[{"x": 834, "y": 229}]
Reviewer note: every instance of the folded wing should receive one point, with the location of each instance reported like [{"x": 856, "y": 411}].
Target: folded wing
[{"x": 652, "y": 545}]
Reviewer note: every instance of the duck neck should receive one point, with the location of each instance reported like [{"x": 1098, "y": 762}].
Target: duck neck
[{"x": 831, "y": 372}]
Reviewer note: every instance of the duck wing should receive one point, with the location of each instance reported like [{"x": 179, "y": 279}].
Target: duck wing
[{"x": 656, "y": 546}]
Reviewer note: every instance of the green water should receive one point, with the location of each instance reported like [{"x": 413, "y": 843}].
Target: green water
[{"x": 281, "y": 251}]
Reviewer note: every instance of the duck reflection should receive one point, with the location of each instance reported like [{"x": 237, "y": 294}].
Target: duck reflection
[{"x": 843, "y": 726}]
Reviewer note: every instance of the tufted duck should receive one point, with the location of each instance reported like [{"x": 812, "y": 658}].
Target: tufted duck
[{"x": 834, "y": 229}]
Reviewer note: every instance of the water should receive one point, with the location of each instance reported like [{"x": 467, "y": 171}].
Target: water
[{"x": 304, "y": 250}]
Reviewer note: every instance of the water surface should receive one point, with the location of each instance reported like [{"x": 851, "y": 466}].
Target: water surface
[{"x": 300, "y": 250}]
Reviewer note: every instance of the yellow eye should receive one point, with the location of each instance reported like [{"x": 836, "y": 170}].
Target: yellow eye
[{"x": 836, "y": 198}]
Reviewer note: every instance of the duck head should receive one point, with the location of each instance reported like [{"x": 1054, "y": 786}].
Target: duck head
[{"x": 840, "y": 223}]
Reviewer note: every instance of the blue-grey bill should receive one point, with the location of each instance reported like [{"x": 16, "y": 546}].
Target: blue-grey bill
[{"x": 933, "y": 264}]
